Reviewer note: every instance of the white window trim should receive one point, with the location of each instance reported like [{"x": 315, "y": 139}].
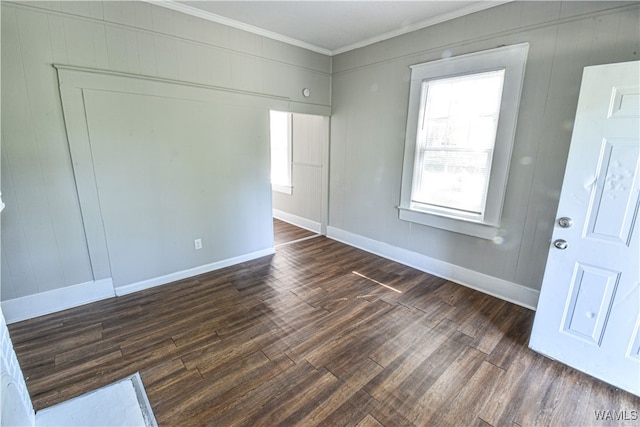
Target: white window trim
[{"x": 513, "y": 59}]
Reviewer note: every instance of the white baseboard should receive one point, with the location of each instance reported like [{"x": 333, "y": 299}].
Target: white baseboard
[
  {"x": 30, "y": 306},
  {"x": 23, "y": 308},
  {"x": 179, "y": 275},
  {"x": 298, "y": 221},
  {"x": 503, "y": 289}
]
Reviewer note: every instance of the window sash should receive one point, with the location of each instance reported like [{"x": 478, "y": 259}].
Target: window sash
[
  {"x": 455, "y": 141},
  {"x": 513, "y": 59},
  {"x": 450, "y": 183}
]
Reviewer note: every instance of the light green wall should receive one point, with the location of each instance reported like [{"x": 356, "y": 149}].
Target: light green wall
[
  {"x": 44, "y": 246},
  {"x": 369, "y": 115}
]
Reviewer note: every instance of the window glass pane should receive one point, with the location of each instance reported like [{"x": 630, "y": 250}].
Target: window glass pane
[
  {"x": 280, "y": 148},
  {"x": 456, "y": 136},
  {"x": 453, "y": 180}
]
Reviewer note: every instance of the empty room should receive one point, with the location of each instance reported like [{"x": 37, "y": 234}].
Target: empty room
[{"x": 339, "y": 213}]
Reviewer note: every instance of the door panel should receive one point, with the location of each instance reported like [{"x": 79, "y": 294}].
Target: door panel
[
  {"x": 590, "y": 297},
  {"x": 588, "y": 312},
  {"x": 615, "y": 195}
]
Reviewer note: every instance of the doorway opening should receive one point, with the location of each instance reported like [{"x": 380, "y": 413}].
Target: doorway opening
[{"x": 299, "y": 175}]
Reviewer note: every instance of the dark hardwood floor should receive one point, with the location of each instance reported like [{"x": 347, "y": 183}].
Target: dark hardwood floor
[
  {"x": 310, "y": 336},
  {"x": 285, "y": 232}
]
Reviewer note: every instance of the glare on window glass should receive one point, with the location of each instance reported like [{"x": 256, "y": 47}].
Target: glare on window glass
[{"x": 280, "y": 148}]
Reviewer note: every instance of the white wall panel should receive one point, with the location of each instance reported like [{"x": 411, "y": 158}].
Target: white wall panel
[{"x": 13, "y": 389}]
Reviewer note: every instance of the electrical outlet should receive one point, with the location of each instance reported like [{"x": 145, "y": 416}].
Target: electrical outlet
[{"x": 197, "y": 244}]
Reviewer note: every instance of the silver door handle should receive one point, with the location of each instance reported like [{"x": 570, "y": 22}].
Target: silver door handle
[
  {"x": 561, "y": 244},
  {"x": 565, "y": 222}
]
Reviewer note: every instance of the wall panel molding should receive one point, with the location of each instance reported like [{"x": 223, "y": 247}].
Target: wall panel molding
[{"x": 97, "y": 71}]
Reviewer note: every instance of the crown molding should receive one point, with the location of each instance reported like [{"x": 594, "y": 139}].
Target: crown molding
[
  {"x": 189, "y": 10},
  {"x": 476, "y": 7}
]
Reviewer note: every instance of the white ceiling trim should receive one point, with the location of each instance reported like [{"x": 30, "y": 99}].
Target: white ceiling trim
[
  {"x": 189, "y": 10},
  {"x": 476, "y": 7}
]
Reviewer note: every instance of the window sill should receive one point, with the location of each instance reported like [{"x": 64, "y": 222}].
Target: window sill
[
  {"x": 286, "y": 189},
  {"x": 475, "y": 229}
]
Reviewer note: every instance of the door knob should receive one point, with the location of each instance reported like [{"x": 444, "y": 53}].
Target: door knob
[
  {"x": 565, "y": 222},
  {"x": 561, "y": 244}
]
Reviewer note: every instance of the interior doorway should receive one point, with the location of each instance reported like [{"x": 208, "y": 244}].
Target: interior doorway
[{"x": 299, "y": 175}]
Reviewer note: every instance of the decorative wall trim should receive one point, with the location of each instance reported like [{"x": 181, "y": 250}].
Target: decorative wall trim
[
  {"x": 179, "y": 275},
  {"x": 298, "y": 221},
  {"x": 503, "y": 289},
  {"x": 23, "y": 308},
  {"x": 146, "y": 77}
]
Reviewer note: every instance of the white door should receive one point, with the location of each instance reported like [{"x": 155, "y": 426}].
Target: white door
[{"x": 588, "y": 312}]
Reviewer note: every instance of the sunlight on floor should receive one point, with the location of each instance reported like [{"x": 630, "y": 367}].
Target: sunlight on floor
[{"x": 375, "y": 281}]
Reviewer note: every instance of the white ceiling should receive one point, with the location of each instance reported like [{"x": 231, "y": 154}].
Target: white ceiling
[{"x": 329, "y": 27}]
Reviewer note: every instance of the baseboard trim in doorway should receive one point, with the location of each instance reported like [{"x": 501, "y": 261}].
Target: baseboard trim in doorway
[{"x": 298, "y": 221}]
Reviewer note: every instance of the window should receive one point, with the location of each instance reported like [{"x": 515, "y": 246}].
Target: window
[
  {"x": 280, "y": 123},
  {"x": 460, "y": 130}
]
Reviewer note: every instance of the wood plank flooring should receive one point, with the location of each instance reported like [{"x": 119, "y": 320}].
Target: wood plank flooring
[
  {"x": 285, "y": 232},
  {"x": 307, "y": 337}
]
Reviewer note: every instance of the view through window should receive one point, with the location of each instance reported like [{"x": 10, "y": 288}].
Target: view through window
[
  {"x": 280, "y": 129},
  {"x": 456, "y": 136},
  {"x": 460, "y": 133}
]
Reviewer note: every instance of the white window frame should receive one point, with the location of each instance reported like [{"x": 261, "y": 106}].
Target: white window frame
[
  {"x": 513, "y": 59},
  {"x": 286, "y": 188}
]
